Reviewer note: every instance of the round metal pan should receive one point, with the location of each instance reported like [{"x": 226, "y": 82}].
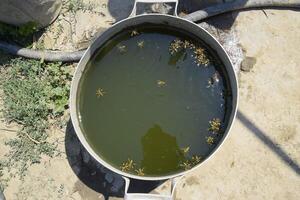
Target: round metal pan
[{"x": 162, "y": 20}]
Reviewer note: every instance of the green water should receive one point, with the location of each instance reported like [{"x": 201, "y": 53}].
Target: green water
[{"x": 152, "y": 103}]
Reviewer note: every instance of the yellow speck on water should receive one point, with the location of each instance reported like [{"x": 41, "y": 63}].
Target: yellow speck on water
[
  {"x": 196, "y": 159},
  {"x": 175, "y": 46},
  {"x": 200, "y": 54},
  {"x": 134, "y": 33},
  {"x": 140, "y": 171},
  {"x": 210, "y": 140},
  {"x": 141, "y": 44},
  {"x": 122, "y": 48},
  {"x": 185, "y": 150},
  {"x": 161, "y": 83},
  {"x": 127, "y": 165},
  {"x": 100, "y": 92},
  {"x": 186, "y": 165},
  {"x": 215, "y": 125}
]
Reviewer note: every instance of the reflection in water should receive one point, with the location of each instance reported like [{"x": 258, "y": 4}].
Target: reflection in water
[{"x": 161, "y": 153}]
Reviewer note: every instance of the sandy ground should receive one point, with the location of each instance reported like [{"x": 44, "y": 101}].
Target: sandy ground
[{"x": 260, "y": 159}]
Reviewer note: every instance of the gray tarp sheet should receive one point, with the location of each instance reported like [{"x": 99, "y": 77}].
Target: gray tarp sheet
[{"x": 18, "y": 12}]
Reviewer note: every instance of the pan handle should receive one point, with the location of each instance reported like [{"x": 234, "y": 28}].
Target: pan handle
[
  {"x": 145, "y": 196},
  {"x": 133, "y": 13}
]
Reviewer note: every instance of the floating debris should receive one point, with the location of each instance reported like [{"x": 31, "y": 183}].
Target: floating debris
[
  {"x": 210, "y": 140},
  {"x": 190, "y": 163},
  {"x": 199, "y": 53},
  {"x": 215, "y": 79},
  {"x": 127, "y": 165},
  {"x": 134, "y": 33},
  {"x": 185, "y": 150},
  {"x": 210, "y": 83},
  {"x": 175, "y": 46},
  {"x": 141, "y": 44},
  {"x": 196, "y": 159},
  {"x": 140, "y": 172},
  {"x": 100, "y": 92},
  {"x": 122, "y": 49},
  {"x": 200, "y": 56},
  {"x": 215, "y": 125},
  {"x": 130, "y": 166},
  {"x": 186, "y": 44},
  {"x": 186, "y": 165},
  {"x": 161, "y": 83}
]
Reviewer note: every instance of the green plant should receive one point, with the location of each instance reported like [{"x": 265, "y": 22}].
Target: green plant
[
  {"x": 34, "y": 93},
  {"x": 75, "y": 5}
]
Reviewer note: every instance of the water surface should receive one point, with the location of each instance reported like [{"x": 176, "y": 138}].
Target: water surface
[{"x": 137, "y": 101}]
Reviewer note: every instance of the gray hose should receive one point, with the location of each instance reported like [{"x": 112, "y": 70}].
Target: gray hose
[
  {"x": 195, "y": 16},
  {"x": 38, "y": 54}
]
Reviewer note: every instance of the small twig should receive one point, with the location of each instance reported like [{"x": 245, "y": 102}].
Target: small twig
[
  {"x": 33, "y": 140},
  {"x": 27, "y": 135},
  {"x": 10, "y": 130},
  {"x": 18, "y": 121},
  {"x": 265, "y": 13},
  {"x": 110, "y": 22},
  {"x": 67, "y": 21}
]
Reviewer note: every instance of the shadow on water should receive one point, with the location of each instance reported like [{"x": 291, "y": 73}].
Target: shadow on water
[
  {"x": 161, "y": 153},
  {"x": 95, "y": 176},
  {"x": 268, "y": 142}
]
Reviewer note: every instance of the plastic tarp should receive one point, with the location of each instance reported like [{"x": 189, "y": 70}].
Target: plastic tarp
[{"x": 18, "y": 12}]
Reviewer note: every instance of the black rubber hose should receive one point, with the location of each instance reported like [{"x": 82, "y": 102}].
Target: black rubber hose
[
  {"x": 239, "y": 5},
  {"x": 39, "y": 54},
  {"x": 195, "y": 16}
]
